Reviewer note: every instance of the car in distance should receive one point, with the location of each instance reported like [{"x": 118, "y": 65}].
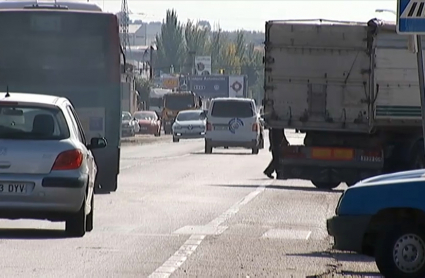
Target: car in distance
[
  {"x": 189, "y": 124},
  {"x": 129, "y": 125},
  {"x": 149, "y": 122},
  {"x": 47, "y": 169}
]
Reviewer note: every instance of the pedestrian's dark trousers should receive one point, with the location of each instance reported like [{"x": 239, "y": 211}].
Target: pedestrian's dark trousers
[{"x": 274, "y": 163}]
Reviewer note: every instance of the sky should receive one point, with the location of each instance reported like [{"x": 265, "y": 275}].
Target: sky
[{"x": 252, "y": 15}]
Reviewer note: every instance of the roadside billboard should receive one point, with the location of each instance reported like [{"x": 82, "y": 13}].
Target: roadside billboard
[
  {"x": 209, "y": 86},
  {"x": 203, "y": 65}
]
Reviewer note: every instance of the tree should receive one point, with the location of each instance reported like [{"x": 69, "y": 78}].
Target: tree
[
  {"x": 170, "y": 44},
  {"x": 143, "y": 86},
  {"x": 229, "y": 59},
  {"x": 197, "y": 39}
]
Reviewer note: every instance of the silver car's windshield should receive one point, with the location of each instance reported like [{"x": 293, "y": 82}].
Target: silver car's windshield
[
  {"x": 189, "y": 116},
  {"x": 32, "y": 123},
  {"x": 126, "y": 117}
]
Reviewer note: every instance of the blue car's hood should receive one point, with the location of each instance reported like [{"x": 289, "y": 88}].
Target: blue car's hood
[
  {"x": 398, "y": 190},
  {"x": 391, "y": 178}
]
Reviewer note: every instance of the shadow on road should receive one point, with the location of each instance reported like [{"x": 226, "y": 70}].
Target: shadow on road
[
  {"x": 32, "y": 234},
  {"x": 222, "y": 153},
  {"x": 347, "y": 257},
  {"x": 284, "y": 187}
]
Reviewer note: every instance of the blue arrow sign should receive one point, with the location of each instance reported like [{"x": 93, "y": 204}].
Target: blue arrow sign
[{"x": 410, "y": 17}]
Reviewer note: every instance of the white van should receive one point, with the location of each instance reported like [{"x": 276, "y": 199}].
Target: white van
[{"x": 233, "y": 122}]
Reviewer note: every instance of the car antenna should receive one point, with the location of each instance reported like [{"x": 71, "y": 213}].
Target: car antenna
[{"x": 7, "y": 91}]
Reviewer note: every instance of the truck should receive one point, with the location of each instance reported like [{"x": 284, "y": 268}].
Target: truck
[
  {"x": 72, "y": 50},
  {"x": 352, "y": 88},
  {"x": 175, "y": 102},
  {"x": 156, "y": 99}
]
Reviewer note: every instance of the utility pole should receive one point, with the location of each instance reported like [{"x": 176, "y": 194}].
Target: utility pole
[
  {"x": 192, "y": 61},
  {"x": 151, "y": 62}
]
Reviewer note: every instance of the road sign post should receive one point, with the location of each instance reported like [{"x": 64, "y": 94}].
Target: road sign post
[{"x": 411, "y": 21}]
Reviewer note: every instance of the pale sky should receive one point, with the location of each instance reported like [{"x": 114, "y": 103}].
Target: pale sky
[{"x": 251, "y": 15}]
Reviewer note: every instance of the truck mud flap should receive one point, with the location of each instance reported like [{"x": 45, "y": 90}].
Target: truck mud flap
[{"x": 107, "y": 161}]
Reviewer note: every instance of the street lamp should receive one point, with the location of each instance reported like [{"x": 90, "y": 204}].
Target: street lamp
[{"x": 386, "y": 11}]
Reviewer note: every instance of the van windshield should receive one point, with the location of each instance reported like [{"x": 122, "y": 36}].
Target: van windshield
[{"x": 232, "y": 109}]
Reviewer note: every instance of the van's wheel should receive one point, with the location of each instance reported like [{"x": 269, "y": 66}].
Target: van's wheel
[
  {"x": 255, "y": 150},
  {"x": 325, "y": 185},
  {"x": 75, "y": 225},
  {"x": 400, "y": 251},
  {"x": 175, "y": 140},
  {"x": 208, "y": 148},
  {"x": 89, "y": 218}
]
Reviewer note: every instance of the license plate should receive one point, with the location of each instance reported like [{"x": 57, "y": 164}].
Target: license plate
[
  {"x": 221, "y": 127},
  {"x": 13, "y": 188},
  {"x": 332, "y": 153}
]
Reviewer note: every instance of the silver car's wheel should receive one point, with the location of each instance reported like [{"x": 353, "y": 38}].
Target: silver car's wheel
[
  {"x": 89, "y": 218},
  {"x": 76, "y": 224}
]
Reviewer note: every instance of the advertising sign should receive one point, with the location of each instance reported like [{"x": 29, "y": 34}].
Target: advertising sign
[
  {"x": 170, "y": 82},
  {"x": 203, "y": 65},
  {"x": 209, "y": 86},
  {"x": 236, "y": 86}
]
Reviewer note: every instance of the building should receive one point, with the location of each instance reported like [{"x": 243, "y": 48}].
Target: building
[{"x": 143, "y": 34}]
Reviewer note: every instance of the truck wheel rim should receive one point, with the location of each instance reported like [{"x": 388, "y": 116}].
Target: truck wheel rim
[{"x": 409, "y": 253}]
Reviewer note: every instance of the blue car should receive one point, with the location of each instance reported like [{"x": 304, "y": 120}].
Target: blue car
[{"x": 384, "y": 217}]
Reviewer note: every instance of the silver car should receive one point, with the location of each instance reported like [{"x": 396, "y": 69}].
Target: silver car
[
  {"x": 129, "y": 124},
  {"x": 47, "y": 170},
  {"x": 189, "y": 124}
]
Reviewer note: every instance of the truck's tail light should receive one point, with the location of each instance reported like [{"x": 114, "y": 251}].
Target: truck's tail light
[
  {"x": 255, "y": 127},
  {"x": 209, "y": 126},
  {"x": 68, "y": 160},
  {"x": 371, "y": 156}
]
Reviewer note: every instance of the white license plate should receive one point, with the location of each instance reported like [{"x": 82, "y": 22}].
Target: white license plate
[
  {"x": 13, "y": 188},
  {"x": 221, "y": 128}
]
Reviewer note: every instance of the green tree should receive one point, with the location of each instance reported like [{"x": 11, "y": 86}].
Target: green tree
[
  {"x": 170, "y": 44},
  {"x": 197, "y": 39},
  {"x": 143, "y": 86}
]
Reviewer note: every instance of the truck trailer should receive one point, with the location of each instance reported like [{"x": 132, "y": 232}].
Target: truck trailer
[{"x": 353, "y": 89}]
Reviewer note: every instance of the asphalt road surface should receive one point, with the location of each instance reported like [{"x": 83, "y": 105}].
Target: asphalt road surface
[{"x": 181, "y": 213}]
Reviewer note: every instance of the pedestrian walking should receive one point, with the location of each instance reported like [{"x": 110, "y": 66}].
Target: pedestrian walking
[{"x": 277, "y": 139}]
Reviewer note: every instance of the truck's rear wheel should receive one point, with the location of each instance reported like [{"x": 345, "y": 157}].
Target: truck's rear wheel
[{"x": 325, "y": 185}]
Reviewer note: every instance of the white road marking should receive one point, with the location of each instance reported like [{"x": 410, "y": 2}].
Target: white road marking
[
  {"x": 175, "y": 261},
  {"x": 201, "y": 230},
  {"x": 287, "y": 234}
]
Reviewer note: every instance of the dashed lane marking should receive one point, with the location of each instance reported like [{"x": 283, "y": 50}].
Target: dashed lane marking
[
  {"x": 287, "y": 234},
  {"x": 199, "y": 233}
]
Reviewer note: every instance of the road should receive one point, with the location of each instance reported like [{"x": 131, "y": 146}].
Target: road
[{"x": 182, "y": 213}]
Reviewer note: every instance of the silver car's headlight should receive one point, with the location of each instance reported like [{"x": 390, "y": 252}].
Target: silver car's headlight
[{"x": 176, "y": 127}]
